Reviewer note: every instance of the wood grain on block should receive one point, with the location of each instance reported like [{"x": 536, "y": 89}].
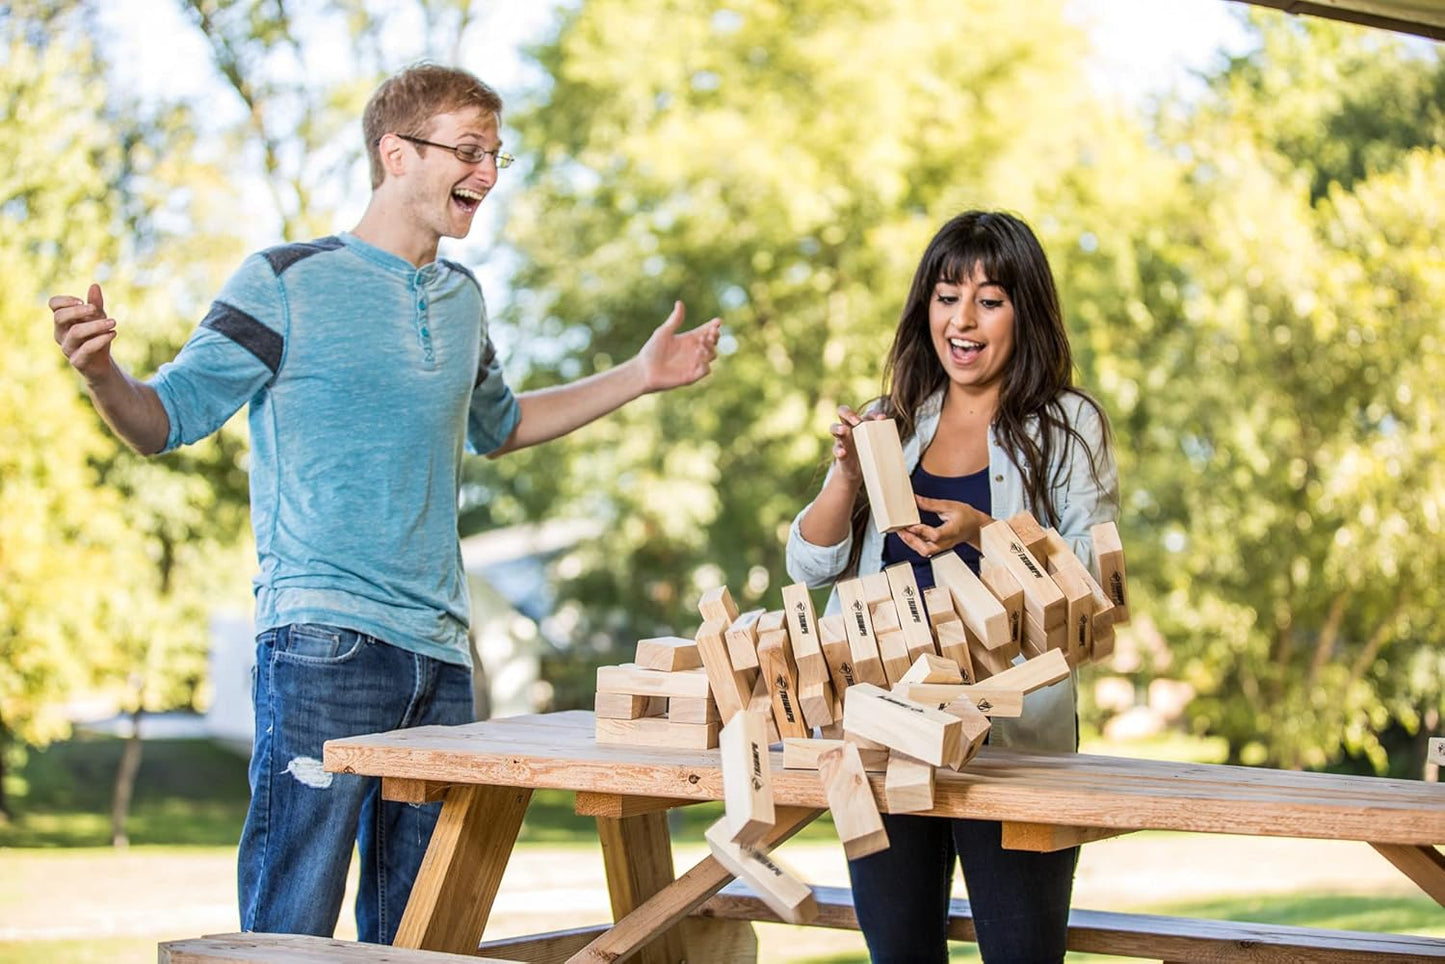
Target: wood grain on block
[
  {"x": 633, "y": 679},
  {"x": 1103, "y": 635},
  {"x": 773, "y": 621},
  {"x": 1437, "y": 750},
  {"x": 761, "y": 701},
  {"x": 885, "y": 475},
  {"x": 742, "y": 637},
  {"x": 901, "y": 724},
  {"x": 661, "y": 733},
  {"x": 716, "y": 605},
  {"x": 1042, "y": 598},
  {"x": 850, "y": 797},
  {"x": 876, "y": 588},
  {"x": 730, "y": 689},
  {"x": 816, "y": 700},
  {"x": 777, "y": 668},
  {"x": 953, "y": 644},
  {"x": 681, "y": 710},
  {"x": 1010, "y": 595},
  {"x": 932, "y": 669},
  {"x": 782, "y": 890},
  {"x": 803, "y": 754},
  {"x": 893, "y": 651},
  {"x": 668, "y": 654},
  {"x": 908, "y": 601},
  {"x": 803, "y": 636},
  {"x": 858, "y": 626},
  {"x": 1032, "y": 674},
  {"x": 1031, "y": 534},
  {"x": 1109, "y": 550},
  {"x": 1039, "y": 640},
  {"x": 994, "y": 702},
  {"x": 885, "y": 617},
  {"x": 975, "y": 726},
  {"x": 908, "y": 784},
  {"x": 939, "y": 603},
  {"x": 980, "y": 609},
  {"x": 862, "y": 742},
  {"x": 747, "y": 778},
  {"x": 987, "y": 661},
  {"x": 833, "y": 637},
  {"x": 625, "y": 706},
  {"x": 1078, "y": 612}
]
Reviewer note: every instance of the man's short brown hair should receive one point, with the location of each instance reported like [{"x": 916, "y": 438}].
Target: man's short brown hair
[{"x": 406, "y": 102}]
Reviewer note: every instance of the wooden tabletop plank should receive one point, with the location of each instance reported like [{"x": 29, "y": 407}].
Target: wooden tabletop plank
[{"x": 1080, "y": 790}]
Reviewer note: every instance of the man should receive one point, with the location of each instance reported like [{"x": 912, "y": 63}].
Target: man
[{"x": 367, "y": 366}]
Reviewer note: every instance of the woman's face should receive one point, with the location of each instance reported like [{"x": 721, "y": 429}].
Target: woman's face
[{"x": 972, "y": 325}]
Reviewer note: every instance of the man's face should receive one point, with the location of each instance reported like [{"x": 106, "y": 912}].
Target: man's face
[{"x": 443, "y": 191}]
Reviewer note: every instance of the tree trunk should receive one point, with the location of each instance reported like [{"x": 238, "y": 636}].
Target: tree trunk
[
  {"x": 125, "y": 782},
  {"x": 4, "y": 750}
]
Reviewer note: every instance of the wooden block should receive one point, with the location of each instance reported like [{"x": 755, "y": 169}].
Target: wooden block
[
  {"x": 837, "y": 653},
  {"x": 908, "y": 785},
  {"x": 980, "y": 610},
  {"x": 655, "y": 732},
  {"x": 987, "y": 661},
  {"x": 862, "y": 742},
  {"x": 1078, "y": 612},
  {"x": 742, "y": 637},
  {"x": 730, "y": 689},
  {"x": 1032, "y": 674},
  {"x": 680, "y": 710},
  {"x": 922, "y": 732},
  {"x": 773, "y": 621},
  {"x": 761, "y": 701},
  {"x": 716, "y": 605},
  {"x": 908, "y": 602},
  {"x": 974, "y": 727},
  {"x": 668, "y": 654},
  {"x": 939, "y": 603},
  {"x": 625, "y": 706},
  {"x": 893, "y": 651},
  {"x": 885, "y": 617},
  {"x": 1038, "y": 640},
  {"x": 1103, "y": 635},
  {"x": 1042, "y": 598},
  {"x": 932, "y": 669},
  {"x": 885, "y": 474},
  {"x": 747, "y": 779},
  {"x": 850, "y": 797},
  {"x": 634, "y": 680},
  {"x": 876, "y": 588},
  {"x": 803, "y": 636},
  {"x": 1437, "y": 750},
  {"x": 804, "y": 754},
  {"x": 1031, "y": 534},
  {"x": 782, "y": 679},
  {"x": 953, "y": 644},
  {"x": 1109, "y": 550},
  {"x": 816, "y": 701},
  {"x": 1010, "y": 595},
  {"x": 990, "y": 701},
  {"x": 867, "y": 666},
  {"x": 781, "y": 889}
]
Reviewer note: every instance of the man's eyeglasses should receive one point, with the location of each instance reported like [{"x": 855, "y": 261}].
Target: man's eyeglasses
[{"x": 466, "y": 153}]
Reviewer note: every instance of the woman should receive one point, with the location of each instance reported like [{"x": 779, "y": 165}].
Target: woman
[{"x": 979, "y": 379}]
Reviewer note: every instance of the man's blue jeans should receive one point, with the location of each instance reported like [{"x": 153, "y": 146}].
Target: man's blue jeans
[{"x": 316, "y": 683}]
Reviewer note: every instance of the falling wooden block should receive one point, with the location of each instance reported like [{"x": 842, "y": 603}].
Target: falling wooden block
[
  {"x": 803, "y": 637},
  {"x": 885, "y": 474},
  {"x": 667, "y": 654},
  {"x": 980, "y": 610},
  {"x": 987, "y": 661},
  {"x": 932, "y": 669},
  {"x": 780, "y": 888},
  {"x": 1437, "y": 750},
  {"x": 974, "y": 726},
  {"x": 816, "y": 700},
  {"x": 1032, "y": 674},
  {"x": 781, "y": 675},
  {"x": 850, "y": 797},
  {"x": 1042, "y": 599},
  {"x": 656, "y": 732},
  {"x": 858, "y": 626},
  {"x": 681, "y": 710},
  {"x": 1103, "y": 635},
  {"x": 730, "y": 689},
  {"x": 747, "y": 778},
  {"x": 1031, "y": 535},
  {"x": 875, "y": 589},
  {"x": 1010, "y": 595},
  {"x": 761, "y": 701},
  {"x": 1078, "y": 612},
  {"x": 634, "y": 680},
  {"x": 908, "y": 603},
  {"x": 908, "y": 784},
  {"x": 990, "y": 701},
  {"x": 1109, "y": 550},
  {"x": 716, "y": 605},
  {"x": 953, "y": 644},
  {"x": 1037, "y": 639},
  {"x": 625, "y": 706},
  {"x": 839, "y": 655},
  {"x": 742, "y": 637},
  {"x": 939, "y": 603},
  {"x": 803, "y": 754},
  {"x": 900, "y": 724},
  {"x": 893, "y": 651}
]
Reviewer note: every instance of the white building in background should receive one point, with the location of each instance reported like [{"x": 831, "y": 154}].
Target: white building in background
[{"x": 511, "y": 596}]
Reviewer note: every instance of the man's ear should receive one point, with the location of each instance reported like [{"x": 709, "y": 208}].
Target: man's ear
[{"x": 392, "y": 151}]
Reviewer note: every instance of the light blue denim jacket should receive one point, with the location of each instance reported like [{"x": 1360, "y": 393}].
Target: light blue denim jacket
[{"x": 1048, "y": 721}]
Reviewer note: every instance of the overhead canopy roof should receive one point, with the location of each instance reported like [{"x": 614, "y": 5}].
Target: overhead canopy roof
[{"x": 1423, "y": 17}]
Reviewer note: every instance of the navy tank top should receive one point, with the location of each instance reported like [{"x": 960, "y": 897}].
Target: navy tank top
[{"x": 970, "y": 489}]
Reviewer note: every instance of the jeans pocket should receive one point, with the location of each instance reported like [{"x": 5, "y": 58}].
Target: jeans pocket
[{"x": 317, "y": 643}]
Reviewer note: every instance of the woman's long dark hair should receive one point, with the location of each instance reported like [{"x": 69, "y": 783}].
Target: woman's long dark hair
[{"x": 1035, "y": 379}]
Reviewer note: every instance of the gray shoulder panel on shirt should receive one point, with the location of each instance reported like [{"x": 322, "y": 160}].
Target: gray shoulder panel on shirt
[{"x": 284, "y": 256}]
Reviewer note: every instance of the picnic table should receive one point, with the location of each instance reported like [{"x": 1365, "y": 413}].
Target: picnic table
[{"x": 485, "y": 774}]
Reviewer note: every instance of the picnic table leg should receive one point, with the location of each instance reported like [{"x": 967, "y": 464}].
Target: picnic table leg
[
  {"x": 1424, "y": 865},
  {"x": 637, "y": 854},
  {"x": 462, "y": 869}
]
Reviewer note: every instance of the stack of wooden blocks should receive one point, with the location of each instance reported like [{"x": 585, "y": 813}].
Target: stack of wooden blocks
[{"x": 900, "y": 681}]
